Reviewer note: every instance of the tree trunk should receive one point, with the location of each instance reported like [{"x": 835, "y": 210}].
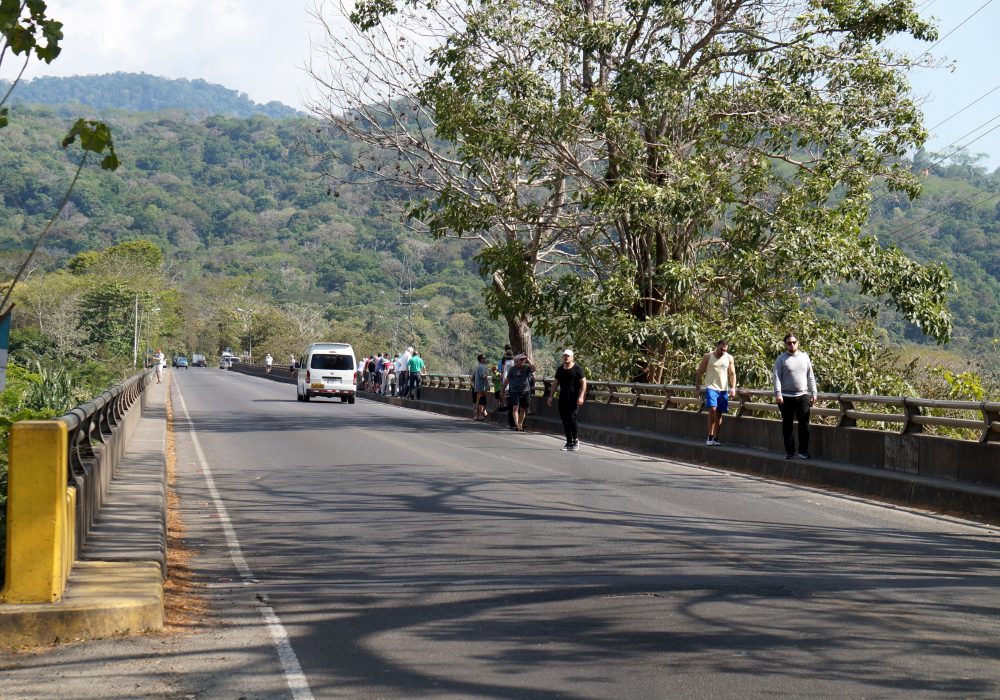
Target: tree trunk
[{"x": 519, "y": 332}]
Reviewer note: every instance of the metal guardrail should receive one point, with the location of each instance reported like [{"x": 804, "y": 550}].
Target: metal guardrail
[
  {"x": 846, "y": 410},
  {"x": 92, "y": 424}
]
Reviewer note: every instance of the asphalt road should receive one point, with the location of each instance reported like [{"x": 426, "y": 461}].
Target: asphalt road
[{"x": 372, "y": 551}]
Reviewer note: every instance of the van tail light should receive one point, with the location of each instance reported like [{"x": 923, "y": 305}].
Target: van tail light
[
  {"x": 355, "y": 377},
  {"x": 307, "y": 376}
]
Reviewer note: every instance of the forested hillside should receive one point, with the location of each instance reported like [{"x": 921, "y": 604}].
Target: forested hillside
[
  {"x": 245, "y": 222},
  {"x": 141, "y": 92},
  {"x": 956, "y": 221}
]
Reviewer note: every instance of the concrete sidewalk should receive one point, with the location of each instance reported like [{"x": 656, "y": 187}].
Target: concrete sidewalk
[{"x": 116, "y": 586}]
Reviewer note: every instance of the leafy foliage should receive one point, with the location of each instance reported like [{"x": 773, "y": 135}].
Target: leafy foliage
[{"x": 703, "y": 159}]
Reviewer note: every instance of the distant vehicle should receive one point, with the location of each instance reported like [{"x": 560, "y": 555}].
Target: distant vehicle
[
  {"x": 327, "y": 369},
  {"x": 181, "y": 361},
  {"x": 226, "y": 361},
  {"x": 198, "y": 360}
]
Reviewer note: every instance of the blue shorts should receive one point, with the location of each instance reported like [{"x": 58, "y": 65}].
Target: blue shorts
[{"x": 719, "y": 400}]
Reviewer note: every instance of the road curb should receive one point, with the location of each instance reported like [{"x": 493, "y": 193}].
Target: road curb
[{"x": 102, "y": 598}]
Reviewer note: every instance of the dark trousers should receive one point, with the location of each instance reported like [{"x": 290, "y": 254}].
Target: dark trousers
[
  {"x": 414, "y": 392},
  {"x": 795, "y": 408},
  {"x": 568, "y": 411},
  {"x": 404, "y": 383}
]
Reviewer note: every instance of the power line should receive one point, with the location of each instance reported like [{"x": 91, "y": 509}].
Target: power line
[
  {"x": 993, "y": 192},
  {"x": 941, "y": 158},
  {"x": 952, "y": 116},
  {"x": 964, "y": 145},
  {"x": 938, "y": 42}
]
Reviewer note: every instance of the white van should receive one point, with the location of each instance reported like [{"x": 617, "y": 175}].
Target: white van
[{"x": 327, "y": 369}]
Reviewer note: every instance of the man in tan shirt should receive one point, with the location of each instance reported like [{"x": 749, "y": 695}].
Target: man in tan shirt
[{"x": 719, "y": 372}]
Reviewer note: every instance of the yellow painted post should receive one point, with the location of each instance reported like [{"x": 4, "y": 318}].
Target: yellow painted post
[{"x": 38, "y": 560}]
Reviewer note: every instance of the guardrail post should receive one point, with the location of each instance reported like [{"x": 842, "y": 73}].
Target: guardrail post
[
  {"x": 667, "y": 394},
  {"x": 991, "y": 415},
  {"x": 39, "y": 525},
  {"x": 845, "y": 421},
  {"x": 911, "y": 409}
]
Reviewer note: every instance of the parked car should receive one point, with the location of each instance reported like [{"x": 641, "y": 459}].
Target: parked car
[
  {"x": 181, "y": 361},
  {"x": 327, "y": 369},
  {"x": 198, "y": 360}
]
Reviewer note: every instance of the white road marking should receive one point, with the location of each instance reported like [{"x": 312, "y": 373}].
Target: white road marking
[{"x": 291, "y": 668}]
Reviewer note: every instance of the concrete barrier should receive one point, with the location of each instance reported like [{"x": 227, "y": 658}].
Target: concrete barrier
[{"x": 64, "y": 474}]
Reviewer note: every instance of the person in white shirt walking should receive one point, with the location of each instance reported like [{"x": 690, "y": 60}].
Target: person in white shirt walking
[
  {"x": 718, "y": 369},
  {"x": 161, "y": 361},
  {"x": 795, "y": 392}
]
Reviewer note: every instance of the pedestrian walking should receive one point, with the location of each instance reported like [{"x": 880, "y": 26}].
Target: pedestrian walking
[
  {"x": 161, "y": 361},
  {"x": 795, "y": 392},
  {"x": 268, "y": 363},
  {"x": 571, "y": 389},
  {"x": 718, "y": 369},
  {"x": 518, "y": 384},
  {"x": 291, "y": 363},
  {"x": 481, "y": 386}
]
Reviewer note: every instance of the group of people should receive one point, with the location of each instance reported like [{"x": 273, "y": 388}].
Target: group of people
[
  {"x": 794, "y": 391},
  {"x": 512, "y": 380},
  {"x": 401, "y": 375}
]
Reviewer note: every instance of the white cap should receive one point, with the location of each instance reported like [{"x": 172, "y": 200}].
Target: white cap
[{"x": 567, "y": 351}]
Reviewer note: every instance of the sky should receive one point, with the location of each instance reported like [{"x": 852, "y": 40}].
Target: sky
[{"x": 261, "y": 47}]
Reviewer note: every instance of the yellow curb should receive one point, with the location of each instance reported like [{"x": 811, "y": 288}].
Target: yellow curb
[{"x": 102, "y": 598}]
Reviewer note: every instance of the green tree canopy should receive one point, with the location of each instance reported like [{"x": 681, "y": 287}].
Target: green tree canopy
[{"x": 718, "y": 159}]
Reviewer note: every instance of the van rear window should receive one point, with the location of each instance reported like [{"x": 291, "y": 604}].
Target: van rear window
[{"x": 332, "y": 362}]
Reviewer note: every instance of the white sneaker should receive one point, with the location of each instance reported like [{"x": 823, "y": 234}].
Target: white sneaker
[
  {"x": 716, "y": 443},
  {"x": 567, "y": 447},
  {"x": 710, "y": 441},
  {"x": 575, "y": 447}
]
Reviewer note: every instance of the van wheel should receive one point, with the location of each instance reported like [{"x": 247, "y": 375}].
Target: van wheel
[
  {"x": 305, "y": 396},
  {"x": 350, "y": 399},
  {"x": 343, "y": 399}
]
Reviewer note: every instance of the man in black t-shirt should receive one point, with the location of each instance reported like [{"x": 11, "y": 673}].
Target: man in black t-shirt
[{"x": 571, "y": 388}]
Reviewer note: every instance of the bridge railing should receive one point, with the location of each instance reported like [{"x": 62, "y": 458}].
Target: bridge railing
[
  {"x": 94, "y": 449},
  {"x": 970, "y": 420},
  {"x": 58, "y": 477}
]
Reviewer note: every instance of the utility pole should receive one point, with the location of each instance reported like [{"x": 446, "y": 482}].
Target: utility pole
[{"x": 135, "y": 335}]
